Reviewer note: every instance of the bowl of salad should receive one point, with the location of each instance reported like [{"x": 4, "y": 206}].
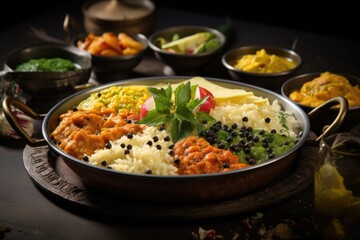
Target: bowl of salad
[{"x": 187, "y": 49}]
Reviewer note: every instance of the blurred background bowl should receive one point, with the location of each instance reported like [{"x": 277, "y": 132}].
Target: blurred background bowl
[
  {"x": 107, "y": 68},
  {"x": 271, "y": 81},
  {"x": 131, "y": 16},
  {"x": 297, "y": 82},
  {"x": 48, "y": 87},
  {"x": 37, "y": 83},
  {"x": 181, "y": 63}
]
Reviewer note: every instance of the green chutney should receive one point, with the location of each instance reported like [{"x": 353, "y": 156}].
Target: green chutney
[
  {"x": 253, "y": 146},
  {"x": 47, "y": 65}
]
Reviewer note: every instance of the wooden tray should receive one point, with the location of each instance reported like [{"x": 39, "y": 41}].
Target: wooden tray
[{"x": 56, "y": 178}]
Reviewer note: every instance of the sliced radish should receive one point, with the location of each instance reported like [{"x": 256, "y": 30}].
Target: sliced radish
[{"x": 147, "y": 106}]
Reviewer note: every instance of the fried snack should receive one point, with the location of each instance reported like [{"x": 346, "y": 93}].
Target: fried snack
[{"x": 110, "y": 44}]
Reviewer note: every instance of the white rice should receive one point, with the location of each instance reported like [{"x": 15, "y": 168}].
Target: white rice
[
  {"x": 141, "y": 158},
  {"x": 256, "y": 115}
]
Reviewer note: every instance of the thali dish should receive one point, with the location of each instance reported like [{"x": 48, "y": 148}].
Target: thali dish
[
  {"x": 173, "y": 138},
  {"x": 213, "y": 186}
]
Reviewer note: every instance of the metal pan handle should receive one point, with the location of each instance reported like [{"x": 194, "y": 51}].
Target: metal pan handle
[
  {"x": 69, "y": 22},
  {"x": 14, "y": 102},
  {"x": 335, "y": 125}
]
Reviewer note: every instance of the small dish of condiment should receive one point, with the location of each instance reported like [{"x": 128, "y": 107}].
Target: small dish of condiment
[
  {"x": 262, "y": 62},
  {"x": 312, "y": 89},
  {"x": 48, "y": 72},
  {"x": 262, "y": 66},
  {"x": 113, "y": 54},
  {"x": 55, "y": 64},
  {"x": 187, "y": 49},
  {"x": 327, "y": 85}
]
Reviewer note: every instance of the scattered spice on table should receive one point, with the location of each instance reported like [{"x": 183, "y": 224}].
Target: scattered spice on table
[
  {"x": 4, "y": 229},
  {"x": 254, "y": 228}
]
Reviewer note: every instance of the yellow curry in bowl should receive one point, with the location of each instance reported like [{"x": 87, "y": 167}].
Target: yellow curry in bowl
[
  {"x": 328, "y": 85},
  {"x": 262, "y": 62}
]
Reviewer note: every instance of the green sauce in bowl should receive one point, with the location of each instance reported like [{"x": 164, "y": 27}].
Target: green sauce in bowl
[{"x": 47, "y": 65}]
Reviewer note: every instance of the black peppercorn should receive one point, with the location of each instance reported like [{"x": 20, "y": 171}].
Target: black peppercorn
[
  {"x": 226, "y": 165},
  {"x": 108, "y": 145}
]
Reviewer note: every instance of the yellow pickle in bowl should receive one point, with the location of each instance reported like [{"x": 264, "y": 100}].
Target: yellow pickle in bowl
[
  {"x": 262, "y": 62},
  {"x": 337, "y": 187}
]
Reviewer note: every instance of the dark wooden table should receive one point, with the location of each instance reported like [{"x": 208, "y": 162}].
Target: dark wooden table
[{"x": 29, "y": 212}]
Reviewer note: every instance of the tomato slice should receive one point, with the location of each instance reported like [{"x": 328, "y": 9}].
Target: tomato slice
[{"x": 210, "y": 101}]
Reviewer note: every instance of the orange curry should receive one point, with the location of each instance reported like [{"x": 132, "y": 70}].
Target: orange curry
[
  {"x": 195, "y": 155},
  {"x": 80, "y": 133}
]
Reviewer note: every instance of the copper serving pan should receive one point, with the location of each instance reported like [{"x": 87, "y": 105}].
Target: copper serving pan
[{"x": 183, "y": 188}]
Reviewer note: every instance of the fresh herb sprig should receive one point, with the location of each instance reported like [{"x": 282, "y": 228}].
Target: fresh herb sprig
[{"x": 177, "y": 109}]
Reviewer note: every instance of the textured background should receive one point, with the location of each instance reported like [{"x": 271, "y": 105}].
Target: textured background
[{"x": 334, "y": 18}]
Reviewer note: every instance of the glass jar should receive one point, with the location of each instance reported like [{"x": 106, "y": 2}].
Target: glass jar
[{"x": 336, "y": 212}]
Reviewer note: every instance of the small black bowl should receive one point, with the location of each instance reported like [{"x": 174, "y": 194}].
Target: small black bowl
[
  {"x": 185, "y": 63},
  {"x": 266, "y": 80},
  {"x": 48, "y": 84},
  {"x": 108, "y": 66},
  {"x": 296, "y": 83}
]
